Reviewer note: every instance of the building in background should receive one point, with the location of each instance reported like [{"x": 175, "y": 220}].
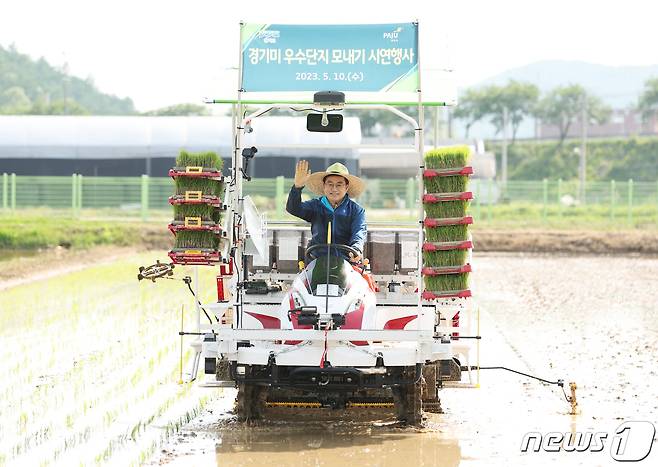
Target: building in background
[
  {"x": 622, "y": 123},
  {"x": 132, "y": 146}
]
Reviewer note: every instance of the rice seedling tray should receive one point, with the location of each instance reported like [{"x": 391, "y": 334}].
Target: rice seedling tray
[
  {"x": 195, "y": 171},
  {"x": 432, "y": 222},
  {"x": 201, "y": 256},
  {"x": 430, "y": 173},
  {"x": 443, "y": 246},
  {"x": 195, "y": 223},
  {"x": 210, "y": 200},
  {"x": 433, "y": 295},
  {"x": 439, "y": 197},
  {"x": 438, "y": 271}
]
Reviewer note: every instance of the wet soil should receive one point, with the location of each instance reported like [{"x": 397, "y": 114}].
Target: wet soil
[
  {"x": 28, "y": 266},
  {"x": 590, "y": 320}
]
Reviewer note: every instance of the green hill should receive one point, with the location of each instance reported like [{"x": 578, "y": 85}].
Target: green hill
[{"x": 30, "y": 86}]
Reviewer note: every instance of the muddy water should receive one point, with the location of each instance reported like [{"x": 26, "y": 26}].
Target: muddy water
[{"x": 592, "y": 320}]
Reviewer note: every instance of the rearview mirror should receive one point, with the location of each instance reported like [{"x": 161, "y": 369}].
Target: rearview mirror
[{"x": 333, "y": 123}]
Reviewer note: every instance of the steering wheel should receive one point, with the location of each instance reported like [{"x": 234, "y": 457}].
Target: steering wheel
[{"x": 313, "y": 249}]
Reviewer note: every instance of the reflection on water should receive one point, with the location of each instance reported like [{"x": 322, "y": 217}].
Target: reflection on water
[{"x": 334, "y": 444}]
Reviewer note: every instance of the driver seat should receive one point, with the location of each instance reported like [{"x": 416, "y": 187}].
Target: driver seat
[{"x": 337, "y": 271}]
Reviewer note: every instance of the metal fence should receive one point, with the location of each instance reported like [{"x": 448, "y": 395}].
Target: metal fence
[{"x": 145, "y": 197}]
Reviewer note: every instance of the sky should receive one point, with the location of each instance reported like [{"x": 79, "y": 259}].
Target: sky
[{"x": 164, "y": 52}]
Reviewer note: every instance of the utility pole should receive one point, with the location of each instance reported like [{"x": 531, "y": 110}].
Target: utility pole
[
  {"x": 65, "y": 85},
  {"x": 582, "y": 166},
  {"x": 504, "y": 155},
  {"x": 436, "y": 126}
]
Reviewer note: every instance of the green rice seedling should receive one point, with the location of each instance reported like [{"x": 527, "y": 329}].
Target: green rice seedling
[
  {"x": 446, "y": 209},
  {"x": 451, "y": 184},
  {"x": 448, "y": 233},
  {"x": 209, "y": 160},
  {"x": 206, "y": 186},
  {"x": 198, "y": 239},
  {"x": 205, "y": 212},
  {"x": 447, "y": 158},
  {"x": 446, "y": 282},
  {"x": 445, "y": 258},
  {"x": 452, "y": 157}
]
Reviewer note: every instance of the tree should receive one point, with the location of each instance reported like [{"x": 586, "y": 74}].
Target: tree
[
  {"x": 472, "y": 107},
  {"x": 520, "y": 100},
  {"x": 187, "y": 110},
  {"x": 57, "y": 107},
  {"x": 490, "y": 101},
  {"x": 14, "y": 101},
  {"x": 564, "y": 105},
  {"x": 648, "y": 103}
]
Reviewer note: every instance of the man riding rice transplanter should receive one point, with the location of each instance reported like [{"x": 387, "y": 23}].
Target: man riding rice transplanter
[{"x": 348, "y": 219}]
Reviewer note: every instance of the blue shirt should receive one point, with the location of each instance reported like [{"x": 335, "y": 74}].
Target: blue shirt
[{"x": 348, "y": 219}]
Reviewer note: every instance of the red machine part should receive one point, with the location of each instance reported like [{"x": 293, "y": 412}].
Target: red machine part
[
  {"x": 439, "y": 197},
  {"x": 433, "y": 295},
  {"x": 455, "y": 323},
  {"x": 443, "y": 246},
  {"x": 195, "y": 257},
  {"x": 399, "y": 323},
  {"x": 430, "y": 222},
  {"x": 202, "y": 172},
  {"x": 429, "y": 173},
  {"x": 203, "y": 199},
  {"x": 437, "y": 271},
  {"x": 225, "y": 271}
]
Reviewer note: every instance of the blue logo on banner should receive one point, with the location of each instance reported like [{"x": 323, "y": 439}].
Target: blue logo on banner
[{"x": 372, "y": 57}]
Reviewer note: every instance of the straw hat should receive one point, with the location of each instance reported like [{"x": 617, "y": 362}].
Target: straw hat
[{"x": 315, "y": 181}]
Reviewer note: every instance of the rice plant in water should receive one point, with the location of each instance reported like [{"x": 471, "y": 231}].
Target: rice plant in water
[{"x": 446, "y": 282}]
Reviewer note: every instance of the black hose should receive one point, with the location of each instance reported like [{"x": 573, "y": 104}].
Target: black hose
[
  {"x": 188, "y": 282},
  {"x": 559, "y": 382}
]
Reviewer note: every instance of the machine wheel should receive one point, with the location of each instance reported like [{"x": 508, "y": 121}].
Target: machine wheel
[
  {"x": 431, "y": 401},
  {"x": 250, "y": 402},
  {"x": 409, "y": 403}
]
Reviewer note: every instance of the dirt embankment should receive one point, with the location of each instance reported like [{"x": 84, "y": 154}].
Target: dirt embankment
[
  {"x": 570, "y": 242},
  {"x": 521, "y": 240}
]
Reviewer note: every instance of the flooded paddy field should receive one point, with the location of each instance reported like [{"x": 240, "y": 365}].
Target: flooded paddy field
[
  {"x": 592, "y": 320},
  {"x": 90, "y": 375}
]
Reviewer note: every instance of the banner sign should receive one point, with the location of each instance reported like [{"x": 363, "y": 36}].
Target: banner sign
[{"x": 366, "y": 57}]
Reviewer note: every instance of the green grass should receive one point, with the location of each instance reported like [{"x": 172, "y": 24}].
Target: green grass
[
  {"x": 444, "y": 209},
  {"x": 447, "y": 282},
  {"x": 448, "y": 233},
  {"x": 44, "y": 232},
  {"x": 445, "y": 258},
  {"x": 200, "y": 239},
  {"x": 199, "y": 159}
]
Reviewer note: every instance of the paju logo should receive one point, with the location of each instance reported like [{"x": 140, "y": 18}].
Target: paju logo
[
  {"x": 269, "y": 37},
  {"x": 631, "y": 442},
  {"x": 393, "y": 35}
]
